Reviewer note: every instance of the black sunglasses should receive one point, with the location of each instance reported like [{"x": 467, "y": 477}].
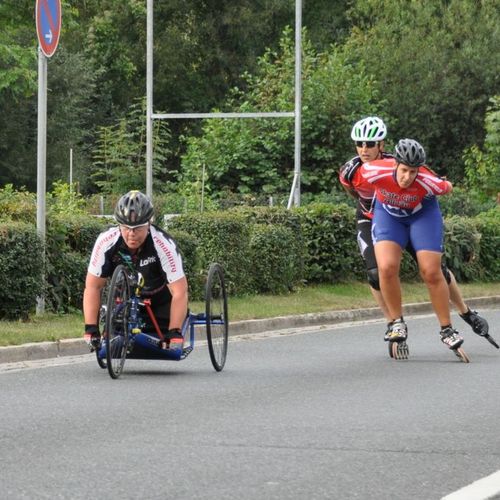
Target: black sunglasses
[{"x": 368, "y": 144}]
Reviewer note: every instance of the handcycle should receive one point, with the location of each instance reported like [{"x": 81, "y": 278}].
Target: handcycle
[{"x": 121, "y": 321}]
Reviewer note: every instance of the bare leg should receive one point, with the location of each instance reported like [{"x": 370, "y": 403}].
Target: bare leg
[
  {"x": 377, "y": 295},
  {"x": 429, "y": 264},
  {"x": 456, "y": 296},
  {"x": 388, "y": 254}
]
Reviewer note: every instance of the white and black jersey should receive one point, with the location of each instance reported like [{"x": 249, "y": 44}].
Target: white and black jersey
[{"x": 158, "y": 260}]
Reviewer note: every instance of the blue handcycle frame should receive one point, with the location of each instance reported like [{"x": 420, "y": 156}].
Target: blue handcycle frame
[{"x": 149, "y": 345}]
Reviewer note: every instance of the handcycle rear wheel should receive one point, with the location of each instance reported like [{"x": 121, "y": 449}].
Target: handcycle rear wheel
[
  {"x": 216, "y": 316},
  {"x": 116, "y": 332}
]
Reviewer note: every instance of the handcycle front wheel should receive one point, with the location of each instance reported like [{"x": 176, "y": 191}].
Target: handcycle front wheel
[
  {"x": 216, "y": 316},
  {"x": 116, "y": 332}
]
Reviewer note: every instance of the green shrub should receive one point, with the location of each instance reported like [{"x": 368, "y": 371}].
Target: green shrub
[
  {"x": 187, "y": 245},
  {"x": 329, "y": 234},
  {"x": 69, "y": 243},
  {"x": 66, "y": 271},
  {"x": 465, "y": 202},
  {"x": 17, "y": 205},
  {"x": 81, "y": 231},
  {"x": 21, "y": 262},
  {"x": 488, "y": 225},
  {"x": 462, "y": 241},
  {"x": 221, "y": 237},
  {"x": 289, "y": 219},
  {"x": 273, "y": 254}
]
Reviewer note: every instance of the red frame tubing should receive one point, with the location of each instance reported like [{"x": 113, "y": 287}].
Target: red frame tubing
[{"x": 147, "y": 303}]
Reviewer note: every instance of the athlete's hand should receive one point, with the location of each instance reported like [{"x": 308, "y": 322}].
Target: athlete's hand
[{"x": 91, "y": 336}]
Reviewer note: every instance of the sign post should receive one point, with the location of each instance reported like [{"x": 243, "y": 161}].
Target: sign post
[{"x": 48, "y": 28}]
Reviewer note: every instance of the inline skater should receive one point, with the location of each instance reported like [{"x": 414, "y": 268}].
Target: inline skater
[
  {"x": 406, "y": 210},
  {"x": 368, "y": 135},
  {"x": 153, "y": 253}
]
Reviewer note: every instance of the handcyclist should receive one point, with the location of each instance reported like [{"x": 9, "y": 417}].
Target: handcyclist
[
  {"x": 368, "y": 135},
  {"x": 153, "y": 253},
  {"x": 406, "y": 210}
]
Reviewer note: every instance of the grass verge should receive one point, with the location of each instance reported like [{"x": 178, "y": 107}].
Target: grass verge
[{"x": 51, "y": 327}]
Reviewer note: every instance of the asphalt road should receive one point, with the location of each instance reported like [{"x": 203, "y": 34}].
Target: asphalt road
[{"x": 316, "y": 413}]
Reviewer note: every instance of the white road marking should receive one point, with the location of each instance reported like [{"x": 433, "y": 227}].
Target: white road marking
[
  {"x": 45, "y": 363},
  {"x": 482, "y": 489}
]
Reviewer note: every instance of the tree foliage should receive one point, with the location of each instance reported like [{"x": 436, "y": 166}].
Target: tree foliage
[
  {"x": 257, "y": 155},
  {"x": 18, "y": 75},
  {"x": 429, "y": 68},
  {"x": 119, "y": 156},
  {"x": 436, "y": 64},
  {"x": 482, "y": 165}
]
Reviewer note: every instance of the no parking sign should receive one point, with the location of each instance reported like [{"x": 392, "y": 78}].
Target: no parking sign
[{"x": 48, "y": 24}]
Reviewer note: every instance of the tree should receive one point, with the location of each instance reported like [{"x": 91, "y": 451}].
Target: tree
[
  {"x": 18, "y": 74},
  {"x": 482, "y": 165},
  {"x": 436, "y": 63},
  {"x": 18, "y": 84},
  {"x": 119, "y": 156},
  {"x": 253, "y": 156}
]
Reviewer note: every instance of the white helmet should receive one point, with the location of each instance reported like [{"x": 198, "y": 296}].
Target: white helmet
[{"x": 369, "y": 129}]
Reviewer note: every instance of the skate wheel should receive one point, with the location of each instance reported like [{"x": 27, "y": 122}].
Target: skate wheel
[
  {"x": 460, "y": 353},
  {"x": 399, "y": 350}
]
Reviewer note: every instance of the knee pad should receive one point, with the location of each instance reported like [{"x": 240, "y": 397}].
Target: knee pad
[
  {"x": 446, "y": 273},
  {"x": 373, "y": 278}
]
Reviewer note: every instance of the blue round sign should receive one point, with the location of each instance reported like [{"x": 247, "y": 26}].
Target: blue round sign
[{"x": 48, "y": 24}]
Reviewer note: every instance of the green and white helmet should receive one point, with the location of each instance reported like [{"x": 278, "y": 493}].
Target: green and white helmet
[{"x": 369, "y": 129}]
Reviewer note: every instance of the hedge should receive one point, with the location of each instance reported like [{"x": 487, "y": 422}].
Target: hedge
[
  {"x": 273, "y": 258},
  {"x": 331, "y": 252},
  {"x": 488, "y": 226},
  {"x": 220, "y": 237},
  {"x": 262, "y": 250},
  {"x": 21, "y": 264}
]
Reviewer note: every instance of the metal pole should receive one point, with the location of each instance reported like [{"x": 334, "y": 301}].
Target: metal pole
[
  {"x": 41, "y": 161},
  {"x": 202, "y": 187},
  {"x": 70, "y": 170},
  {"x": 149, "y": 101},
  {"x": 298, "y": 98}
]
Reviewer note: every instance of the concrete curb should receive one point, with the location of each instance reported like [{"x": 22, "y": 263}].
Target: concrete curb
[{"x": 74, "y": 347}]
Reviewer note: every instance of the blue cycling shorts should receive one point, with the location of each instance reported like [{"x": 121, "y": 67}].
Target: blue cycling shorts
[{"x": 424, "y": 229}]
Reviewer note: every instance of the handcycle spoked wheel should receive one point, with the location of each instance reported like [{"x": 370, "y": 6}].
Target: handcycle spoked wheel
[
  {"x": 116, "y": 336},
  {"x": 216, "y": 316}
]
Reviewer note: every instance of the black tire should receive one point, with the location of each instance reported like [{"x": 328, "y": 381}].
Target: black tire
[
  {"x": 216, "y": 317},
  {"x": 116, "y": 337}
]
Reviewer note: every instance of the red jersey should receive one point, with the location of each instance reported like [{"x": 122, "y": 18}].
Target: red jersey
[
  {"x": 398, "y": 201},
  {"x": 363, "y": 191}
]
